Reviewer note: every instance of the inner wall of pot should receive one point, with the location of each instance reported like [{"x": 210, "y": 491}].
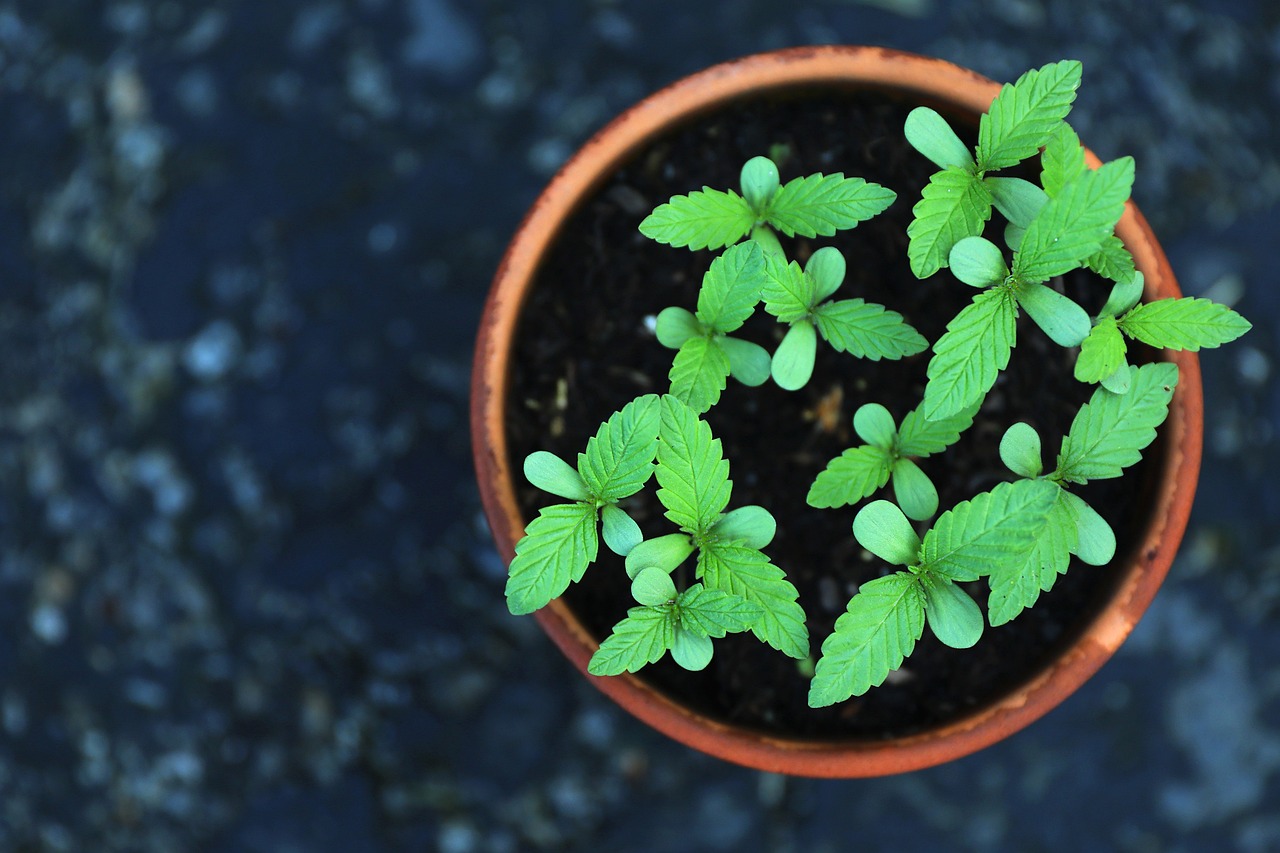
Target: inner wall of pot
[{"x": 582, "y": 350}]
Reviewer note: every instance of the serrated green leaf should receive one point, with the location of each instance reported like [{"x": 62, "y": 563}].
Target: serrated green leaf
[
  {"x": 850, "y": 477},
  {"x": 1075, "y": 223},
  {"x": 991, "y": 531},
  {"x": 1025, "y": 113},
  {"x": 970, "y": 354},
  {"x": 871, "y": 638},
  {"x": 913, "y": 490},
  {"x": 1020, "y": 450},
  {"x": 556, "y": 549},
  {"x": 1112, "y": 261},
  {"x": 1062, "y": 161},
  {"x": 664, "y": 552},
  {"x": 919, "y": 437},
  {"x": 653, "y": 587},
  {"x": 793, "y": 359},
  {"x": 1016, "y": 587},
  {"x": 731, "y": 288},
  {"x": 552, "y": 474},
  {"x": 1110, "y": 432},
  {"x": 954, "y": 617},
  {"x": 700, "y": 373},
  {"x": 744, "y": 571},
  {"x": 1065, "y": 322},
  {"x": 1190, "y": 323},
  {"x": 867, "y": 330},
  {"x": 1096, "y": 541},
  {"x": 978, "y": 262},
  {"x": 788, "y": 293},
  {"x": 882, "y": 529},
  {"x": 619, "y": 457},
  {"x": 821, "y": 205},
  {"x": 692, "y": 472},
  {"x": 759, "y": 181},
  {"x": 641, "y": 638},
  {"x": 1102, "y": 353},
  {"x": 691, "y": 651},
  {"x": 874, "y": 425},
  {"x": 1018, "y": 200},
  {"x": 673, "y": 326},
  {"x": 753, "y": 526},
  {"x": 710, "y": 219},
  {"x": 749, "y": 363},
  {"x": 953, "y": 205},
  {"x": 618, "y": 530},
  {"x": 713, "y": 612},
  {"x": 931, "y": 135}
]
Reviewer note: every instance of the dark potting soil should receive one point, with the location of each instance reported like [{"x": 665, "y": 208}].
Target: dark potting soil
[{"x": 583, "y": 350}]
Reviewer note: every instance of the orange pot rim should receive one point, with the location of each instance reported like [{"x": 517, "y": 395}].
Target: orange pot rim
[{"x": 926, "y": 80}]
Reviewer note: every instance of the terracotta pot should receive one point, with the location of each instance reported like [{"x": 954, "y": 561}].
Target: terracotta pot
[{"x": 925, "y": 81}]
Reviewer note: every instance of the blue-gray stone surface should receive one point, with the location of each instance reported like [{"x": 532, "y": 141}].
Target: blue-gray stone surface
[{"x": 247, "y": 598}]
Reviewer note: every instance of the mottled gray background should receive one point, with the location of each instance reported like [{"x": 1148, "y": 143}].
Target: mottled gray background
[{"x": 248, "y": 602}]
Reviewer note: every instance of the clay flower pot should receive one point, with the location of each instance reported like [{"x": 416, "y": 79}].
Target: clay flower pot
[{"x": 1176, "y": 457}]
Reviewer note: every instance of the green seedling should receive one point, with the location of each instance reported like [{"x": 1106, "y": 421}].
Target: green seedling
[{"x": 889, "y": 454}]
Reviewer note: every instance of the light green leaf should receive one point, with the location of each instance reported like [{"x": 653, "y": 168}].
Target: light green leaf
[
  {"x": 1074, "y": 224},
  {"x": 700, "y": 373},
  {"x": 759, "y": 181},
  {"x": 930, "y": 134},
  {"x": 951, "y": 614},
  {"x": 788, "y": 293},
  {"x": 557, "y": 547},
  {"x": 619, "y": 457},
  {"x": 1118, "y": 382},
  {"x": 1020, "y": 450},
  {"x": 713, "y": 612},
  {"x": 793, "y": 359},
  {"x": 710, "y": 219},
  {"x": 867, "y": 330},
  {"x": 675, "y": 325},
  {"x": 1025, "y": 113},
  {"x": 970, "y": 354},
  {"x": 1112, "y": 261},
  {"x": 691, "y": 651},
  {"x": 619, "y": 530},
  {"x": 879, "y": 629},
  {"x": 826, "y": 267},
  {"x": 1102, "y": 353},
  {"x": 753, "y": 526},
  {"x": 743, "y": 571},
  {"x": 874, "y": 425},
  {"x": 1190, "y": 323},
  {"x": 731, "y": 288},
  {"x": 1013, "y": 235},
  {"x": 692, "y": 471},
  {"x": 1017, "y": 200},
  {"x": 850, "y": 477},
  {"x": 882, "y": 529},
  {"x": 749, "y": 363},
  {"x": 953, "y": 205},
  {"x": 1110, "y": 431},
  {"x": 991, "y": 531},
  {"x": 642, "y": 637},
  {"x": 978, "y": 262},
  {"x": 653, "y": 587},
  {"x": 1062, "y": 161},
  {"x": 1065, "y": 322},
  {"x": 1017, "y": 586},
  {"x": 552, "y": 474},
  {"x": 914, "y": 491},
  {"x": 1096, "y": 543},
  {"x": 1124, "y": 295},
  {"x": 664, "y": 552},
  {"x": 919, "y": 436},
  {"x": 821, "y": 205}
]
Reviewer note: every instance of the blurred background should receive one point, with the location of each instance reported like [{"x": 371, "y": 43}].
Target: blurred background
[{"x": 247, "y": 598}]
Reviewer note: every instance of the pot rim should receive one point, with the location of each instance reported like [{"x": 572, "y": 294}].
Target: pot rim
[{"x": 926, "y": 80}]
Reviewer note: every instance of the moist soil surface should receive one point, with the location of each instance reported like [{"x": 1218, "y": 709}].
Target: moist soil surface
[{"x": 583, "y": 350}]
